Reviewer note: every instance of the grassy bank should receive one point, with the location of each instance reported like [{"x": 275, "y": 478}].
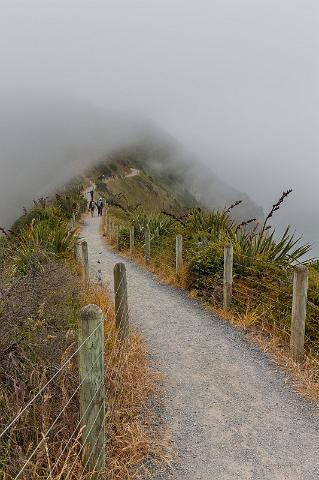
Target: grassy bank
[
  {"x": 263, "y": 274},
  {"x": 40, "y": 298}
]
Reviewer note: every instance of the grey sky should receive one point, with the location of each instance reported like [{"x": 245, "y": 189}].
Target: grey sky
[{"x": 235, "y": 80}]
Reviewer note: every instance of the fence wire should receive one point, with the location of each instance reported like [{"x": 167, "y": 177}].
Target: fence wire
[{"x": 65, "y": 453}]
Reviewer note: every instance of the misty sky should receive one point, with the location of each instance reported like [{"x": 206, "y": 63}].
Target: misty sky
[{"x": 236, "y": 81}]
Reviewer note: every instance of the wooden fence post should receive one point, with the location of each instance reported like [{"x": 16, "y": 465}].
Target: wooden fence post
[
  {"x": 228, "y": 276},
  {"x": 117, "y": 243},
  {"x": 147, "y": 252},
  {"x": 121, "y": 303},
  {"x": 92, "y": 391},
  {"x": 111, "y": 230},
  {"x": 299, "y": 311},
  {"x": 104, "y": 219},
  {"x": 179, "y": 253},
  {"x": 131, "y": 238},
  {"x": 85, "y": 257}
]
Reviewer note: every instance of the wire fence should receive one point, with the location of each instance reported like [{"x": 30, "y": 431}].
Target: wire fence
[
  {"x": 281, "y": 300},
  {"x": 63, "y": 430}
]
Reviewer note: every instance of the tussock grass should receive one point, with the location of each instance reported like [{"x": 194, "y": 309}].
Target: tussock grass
[{"x": 263, "y": 276}]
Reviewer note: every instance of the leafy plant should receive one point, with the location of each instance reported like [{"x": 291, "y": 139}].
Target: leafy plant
[{"x": 42, "y": 239}]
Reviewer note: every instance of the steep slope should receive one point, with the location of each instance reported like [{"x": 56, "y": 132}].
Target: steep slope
[
  {"x": 132, "y": 190},
  {"x": 185, "y": 178}
]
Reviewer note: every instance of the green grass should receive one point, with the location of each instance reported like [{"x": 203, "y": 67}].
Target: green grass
[
  {"x": 141, "y": 190},
  {"x": 263, "y": 265}
]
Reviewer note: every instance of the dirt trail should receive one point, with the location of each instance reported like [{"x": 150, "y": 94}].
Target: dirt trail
[
  {"x": 232, "y": 412},
  {"x": 133, "y": 173}
]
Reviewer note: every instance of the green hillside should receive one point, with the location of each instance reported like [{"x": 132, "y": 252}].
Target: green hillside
[
  {"x": 141, "y": 189},
  {"x": 169, "y": 178}
]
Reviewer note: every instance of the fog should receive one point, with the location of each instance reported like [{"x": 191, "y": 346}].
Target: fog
[{"x": 235, "y": 81}]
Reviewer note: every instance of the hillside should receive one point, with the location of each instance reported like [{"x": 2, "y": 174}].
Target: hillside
[
  {"x": 41, "y": 302},
  {"x": 138, "y": 189},
  {"x": 169, "y": 178}
]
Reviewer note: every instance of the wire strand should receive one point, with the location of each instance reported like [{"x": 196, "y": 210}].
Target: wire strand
[
  {"x": 55, "y": 421},
  {"x": 48, "y": 382}
]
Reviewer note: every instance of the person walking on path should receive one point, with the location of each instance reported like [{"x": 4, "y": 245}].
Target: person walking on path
[
  {"x": 92, "y": 207},
  {"x": 100, "y": 206}
]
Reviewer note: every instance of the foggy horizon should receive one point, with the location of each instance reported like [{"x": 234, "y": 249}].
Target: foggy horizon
[{"x": 236, "y": 83}]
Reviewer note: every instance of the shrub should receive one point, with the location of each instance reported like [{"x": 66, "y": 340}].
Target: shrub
[
  {"x": 205, "y": 267},
  {"x": 43, "y": 238}
]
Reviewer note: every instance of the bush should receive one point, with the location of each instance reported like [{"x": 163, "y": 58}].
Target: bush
[
  {"x": 41, "y": 240},
  {"x": 205, "y": 267},
  {"x": 124, "y": 238}
]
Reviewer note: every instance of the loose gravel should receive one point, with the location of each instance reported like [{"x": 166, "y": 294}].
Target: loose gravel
[{"x": 231, "y": 411}]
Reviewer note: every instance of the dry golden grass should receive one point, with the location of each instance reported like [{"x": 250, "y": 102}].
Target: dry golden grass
[
  {"x": 304, "y": 375},
  {"x": 275, "y": 342},
  {"x": 164, "y": 272},
  {"x": 137, "y": 445}
]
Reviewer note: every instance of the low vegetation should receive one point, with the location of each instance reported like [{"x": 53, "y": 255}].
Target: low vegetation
[
  {"x": 263, "y": 267},
  {"x": 40, "y": 297}
]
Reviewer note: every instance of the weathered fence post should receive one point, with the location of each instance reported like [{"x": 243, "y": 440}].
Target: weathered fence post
[
  {"x": 92, "y": 391},
  {"x": 85, "y": 257},
  {"x": 179, "y": 253},
  {"x": 111, "y": 230},
  {"x": 121, "y": 303},
  {"x": 131, "y": 238},
  {"x": 104, "y": 220},
  {"x": 117, "y": 242},
  {"x": 228, "y": 276},
  {"x": 299, "y": 311},
  {"x": 147, "y": 252},
  {"x": 73, "y": 220}
]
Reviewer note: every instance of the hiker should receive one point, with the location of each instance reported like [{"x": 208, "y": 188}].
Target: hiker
[
  {"x": 92, "y": 207},
  {"x": 100, "y": 206}
]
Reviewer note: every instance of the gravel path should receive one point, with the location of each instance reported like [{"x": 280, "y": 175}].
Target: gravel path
[{"x": 232, "y": 412}]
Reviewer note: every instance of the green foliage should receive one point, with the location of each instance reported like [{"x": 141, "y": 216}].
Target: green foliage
[
  {"x": 160, "y": 226},
  {"x": 40, "y": 241},
  {"x": 285, "y": 250},
  {"x": 124, "y": 238},
  {"x": 38, "y": 212},
  {"x": 72, "y": 203},
  {"x": 205, "y": 266},
  {"x": 101, "y": 187},
  {"x": 3, "y": 249},
  {"x": 43, "y": 232}
]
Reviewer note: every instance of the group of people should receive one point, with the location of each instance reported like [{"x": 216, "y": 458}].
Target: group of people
[{"x": 99, "y": 205}]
